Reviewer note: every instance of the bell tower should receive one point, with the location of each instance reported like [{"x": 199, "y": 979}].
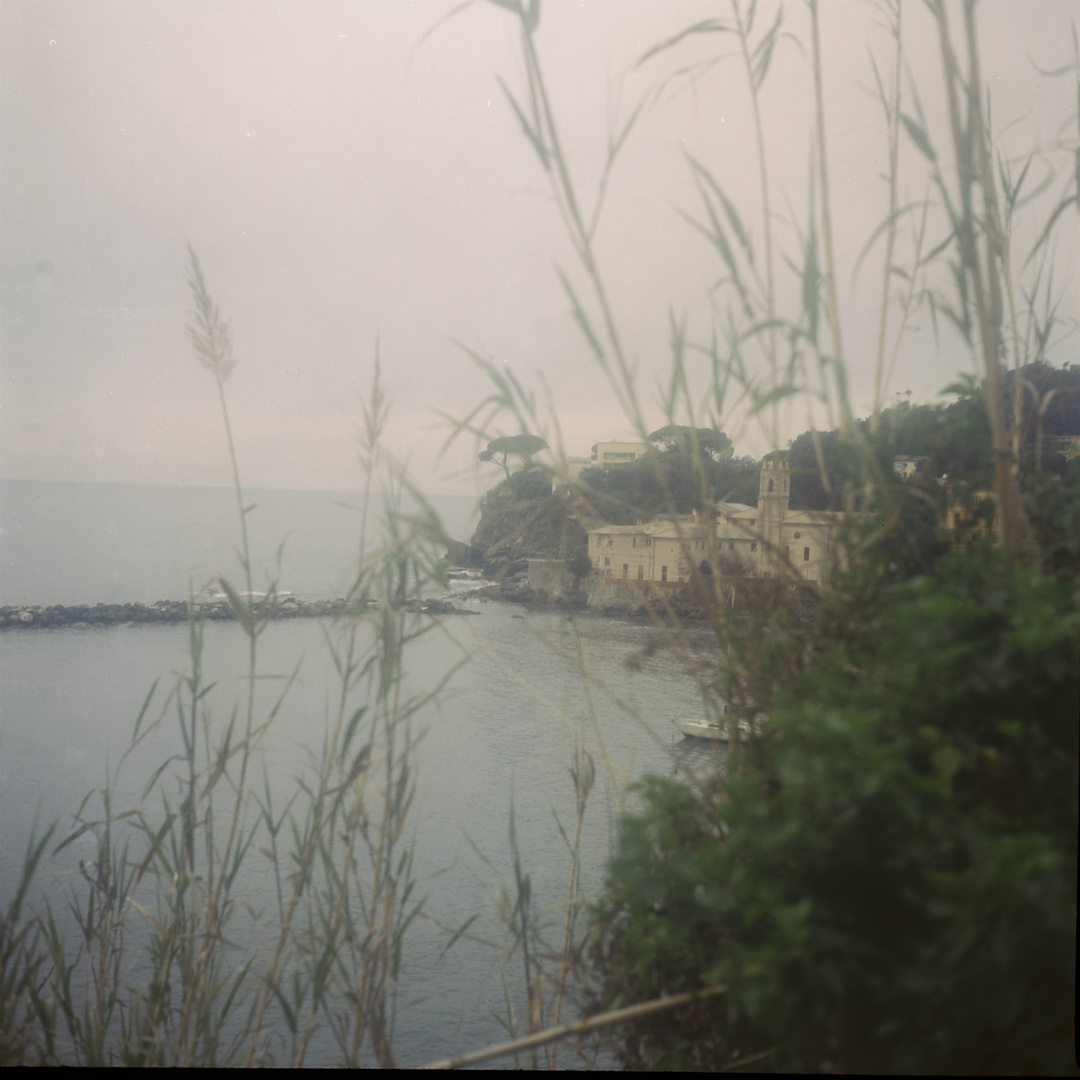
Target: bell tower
[{"x": 774, "y": 493}]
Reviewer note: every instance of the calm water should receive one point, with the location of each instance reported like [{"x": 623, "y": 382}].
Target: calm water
[
  {"x": 502, "y": 736},
  {"x": 67, "y": 543}
]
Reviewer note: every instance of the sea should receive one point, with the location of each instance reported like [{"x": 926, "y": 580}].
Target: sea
[{"x": 519, "y": 693}]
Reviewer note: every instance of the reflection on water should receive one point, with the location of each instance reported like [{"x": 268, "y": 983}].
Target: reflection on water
[{"x": 694, "y": 757}]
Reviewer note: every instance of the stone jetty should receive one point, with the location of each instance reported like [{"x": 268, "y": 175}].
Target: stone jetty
[{"x": 176, "y": 611}]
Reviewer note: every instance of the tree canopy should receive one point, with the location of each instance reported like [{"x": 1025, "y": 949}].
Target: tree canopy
[
  {"x": 709, "y": 442},
  {"x": 523, "y": 446},
  {"x": 646, "y": 488},
  {"x": 954, "y": 439}
]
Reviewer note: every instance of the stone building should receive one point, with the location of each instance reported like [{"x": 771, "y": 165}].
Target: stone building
[{"x": 764, "y": 541}]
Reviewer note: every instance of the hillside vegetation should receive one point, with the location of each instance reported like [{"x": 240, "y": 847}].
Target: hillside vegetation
[{"x": 520, "y": 519}]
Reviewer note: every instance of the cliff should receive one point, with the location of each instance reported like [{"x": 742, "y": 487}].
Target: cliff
[{"x": 520, "y": 519}]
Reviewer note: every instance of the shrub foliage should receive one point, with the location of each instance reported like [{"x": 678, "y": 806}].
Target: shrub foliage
[{"x": 888, "y": 884}]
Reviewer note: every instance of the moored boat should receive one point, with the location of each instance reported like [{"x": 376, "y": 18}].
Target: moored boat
[
  {"x": 703, "y": 729},
  {"x": 718, "y": 730}
]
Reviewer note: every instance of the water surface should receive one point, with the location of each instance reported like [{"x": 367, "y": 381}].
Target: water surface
[{"x": 527, "y": 689}]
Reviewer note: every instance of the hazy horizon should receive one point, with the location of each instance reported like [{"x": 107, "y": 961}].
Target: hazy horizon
[{"x": 352, "y": 177}]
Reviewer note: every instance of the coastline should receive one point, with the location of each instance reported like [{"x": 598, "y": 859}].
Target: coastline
[
  {"x": 517, "y": 592},
  {"x": 85, "y": 617}
]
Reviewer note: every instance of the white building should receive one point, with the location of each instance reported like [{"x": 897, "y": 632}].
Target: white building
[{"x": 619, "y": 453}]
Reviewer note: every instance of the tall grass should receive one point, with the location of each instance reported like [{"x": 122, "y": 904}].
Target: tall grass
[
  {"x": 760, "y": 348},
  {"x": 777, "y": 334},
  {"x": 146, "y": 965}
]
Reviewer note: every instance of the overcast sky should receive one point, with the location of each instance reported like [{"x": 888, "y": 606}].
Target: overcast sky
[{"x": 345, "y": 179}]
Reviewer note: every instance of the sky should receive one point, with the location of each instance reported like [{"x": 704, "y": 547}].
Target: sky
[{"x": 353, "y": 180}]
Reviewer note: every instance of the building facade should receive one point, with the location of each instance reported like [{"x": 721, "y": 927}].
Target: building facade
[{"x": 763, "y": 541}]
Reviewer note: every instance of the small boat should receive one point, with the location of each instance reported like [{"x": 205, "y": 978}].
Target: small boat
[
  {"x": 717, "y": 730},
  {"x": 703, "y": 729}
]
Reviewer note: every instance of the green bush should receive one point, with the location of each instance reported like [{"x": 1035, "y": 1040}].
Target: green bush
[
  {"x": 533, "y": 484},
  {"x": 889, "y": 883}
]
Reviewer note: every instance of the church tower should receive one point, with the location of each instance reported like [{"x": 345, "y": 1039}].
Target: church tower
[{"x": 774, "y": 492}]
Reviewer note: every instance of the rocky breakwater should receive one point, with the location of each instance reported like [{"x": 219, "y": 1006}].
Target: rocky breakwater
[
  {"x": 83, "y": 617},
  {"x": 515, "y": 590}
]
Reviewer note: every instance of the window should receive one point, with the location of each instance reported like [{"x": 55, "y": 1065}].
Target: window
[
  {"x": 753, "y": 545},
  {"x": 663, "y": 573},
  {"x": 806, "y": 554},
  {"x": 607, "y": 562},
  {"x": 640, "y": 573},
  {"x": 770, "y": 485},
  {"x": 731, "y": 545},
  {"x": 625, "y": 570}
]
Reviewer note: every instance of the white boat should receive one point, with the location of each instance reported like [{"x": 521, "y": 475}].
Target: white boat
[
  {"x": 717, "y": 730},
  {"x": 703, "y": 729}
]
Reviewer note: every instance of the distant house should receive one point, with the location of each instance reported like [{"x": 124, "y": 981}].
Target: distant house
[
  {"x": 605, "y": 455},
  {"x": 653, "y": 553},
  {"x": 619, "y": 453},
  {"x": 766, "y": 540}
]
